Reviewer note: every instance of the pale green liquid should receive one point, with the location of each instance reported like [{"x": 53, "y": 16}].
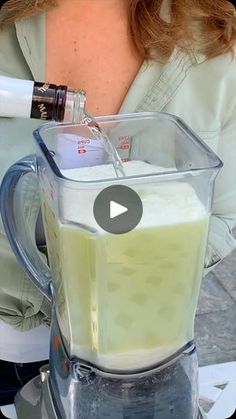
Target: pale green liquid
[{"x": 122, "y": 295}]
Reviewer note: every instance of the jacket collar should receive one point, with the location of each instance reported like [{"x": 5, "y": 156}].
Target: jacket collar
[
  {"x": 32, "y": 41},
  {"x": 165, "y": 87}
]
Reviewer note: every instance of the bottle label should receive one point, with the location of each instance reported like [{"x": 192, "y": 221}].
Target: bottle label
[{"x": 48, "y": 102}]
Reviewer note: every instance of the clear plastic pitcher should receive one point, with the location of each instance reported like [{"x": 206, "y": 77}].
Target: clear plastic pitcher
[{"x": 124, "y": 301}]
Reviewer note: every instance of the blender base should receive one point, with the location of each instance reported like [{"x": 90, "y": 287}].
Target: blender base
[{"x": 36, "y": 401}]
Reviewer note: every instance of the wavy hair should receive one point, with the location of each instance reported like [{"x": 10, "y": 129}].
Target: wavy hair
[{"x": 209, "y": 26}]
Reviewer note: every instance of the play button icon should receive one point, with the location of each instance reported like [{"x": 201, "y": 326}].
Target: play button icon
[{"x": 118, "y": 209}]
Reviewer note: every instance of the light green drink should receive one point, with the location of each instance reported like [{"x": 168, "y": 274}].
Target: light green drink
[{"x": 129, "y": 300}]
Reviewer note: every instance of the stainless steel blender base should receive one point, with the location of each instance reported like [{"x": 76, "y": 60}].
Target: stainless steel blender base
[{"x": 35, "y": 400}]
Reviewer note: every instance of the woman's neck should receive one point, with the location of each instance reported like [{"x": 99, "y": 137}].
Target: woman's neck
[{"x": 85, "y": 8}]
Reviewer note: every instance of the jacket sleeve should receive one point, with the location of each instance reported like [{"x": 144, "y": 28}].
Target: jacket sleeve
[
  {"x": 22, "y": 305},
  {"x": 221, "y": 240}
]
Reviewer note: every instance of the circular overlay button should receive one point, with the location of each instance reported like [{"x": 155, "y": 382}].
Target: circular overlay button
[{"x": 118, "y": 209}]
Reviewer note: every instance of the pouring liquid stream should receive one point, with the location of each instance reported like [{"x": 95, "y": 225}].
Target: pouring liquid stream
[
  {"x": 83, "y": 117},
  {"x": 114, "y": 157}
]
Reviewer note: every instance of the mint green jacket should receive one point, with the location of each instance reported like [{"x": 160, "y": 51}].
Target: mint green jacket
[{"x": 202, "y": 92}]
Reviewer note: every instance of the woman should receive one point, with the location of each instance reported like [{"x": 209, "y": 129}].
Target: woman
[{"x": 129, "y": 55}]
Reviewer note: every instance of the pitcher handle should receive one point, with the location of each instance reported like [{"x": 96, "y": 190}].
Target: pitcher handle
[{"x": 18, "y": 233}]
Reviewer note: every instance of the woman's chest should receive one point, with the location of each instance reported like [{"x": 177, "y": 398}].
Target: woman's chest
[{"x": 95, "y": 57}]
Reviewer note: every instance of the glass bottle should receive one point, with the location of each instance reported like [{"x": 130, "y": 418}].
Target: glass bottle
[{"x": 38, "y": 100}]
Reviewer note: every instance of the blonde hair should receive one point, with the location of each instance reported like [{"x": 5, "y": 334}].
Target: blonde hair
[{"x": 215, "y": 18}]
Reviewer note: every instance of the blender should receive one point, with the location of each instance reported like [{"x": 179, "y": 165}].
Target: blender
[{"x": 123, "y": 300}]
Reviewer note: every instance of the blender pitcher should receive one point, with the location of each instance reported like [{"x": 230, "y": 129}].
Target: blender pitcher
[{"x": 122, "y": 338}]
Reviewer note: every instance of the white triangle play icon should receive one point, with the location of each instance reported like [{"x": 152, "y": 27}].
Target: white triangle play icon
[{"x": 116, "y": 209}]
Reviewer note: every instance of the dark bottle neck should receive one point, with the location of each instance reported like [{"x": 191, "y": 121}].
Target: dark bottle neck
[{"x": 48, "y": 102}]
